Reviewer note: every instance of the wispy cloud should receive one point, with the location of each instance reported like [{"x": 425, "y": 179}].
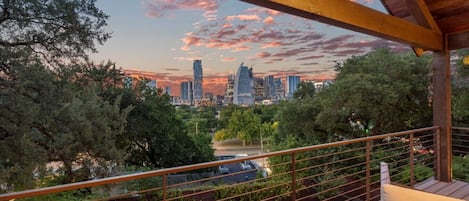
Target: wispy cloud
[
  {"x": 161, "y": 8},
  {"x": 228, "y": 59},
  {"x": 172, "y": 69}
]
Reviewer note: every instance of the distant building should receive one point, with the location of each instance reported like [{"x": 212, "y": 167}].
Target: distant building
[
  {"x": 128, "y": 82},
  {"x": 279, "y": 90},
  {"x": 258, "y": 89},
  {"x": 152, "y": 84},
  {"x": 167, "y": 90},
  {"x": 228, "y": 99},
  {"x": 198, "y": 80},
  {"x": 243, "y": 86},
  {"x": 209, "y": 95},
  {"x": 269, "y": 87},
  {"x": 186, "y": 92},
  {"x": 291, "y": 83}
]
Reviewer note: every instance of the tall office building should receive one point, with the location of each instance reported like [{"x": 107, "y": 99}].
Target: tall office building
[
  {"x": 258, "y": 89},
  {"x": 269, "y": 87},
  {"x": 229, "y": 89},
  {"x": 243, "y": 86},
  {"x": 292, "y": 82},
  {"x": 197, "y": 83},
  {"x": 186, "y": 92},
  {"x": 279, "y": 89}
]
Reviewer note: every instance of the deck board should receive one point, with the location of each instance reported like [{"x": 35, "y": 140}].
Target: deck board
[{"x": 455, "y": 189}]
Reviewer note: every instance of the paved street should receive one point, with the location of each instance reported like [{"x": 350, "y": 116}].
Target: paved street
[{"x": 231, "y": 148}]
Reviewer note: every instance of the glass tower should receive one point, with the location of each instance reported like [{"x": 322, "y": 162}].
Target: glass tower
[
  {"x": 292, "y": 84},
  {"x": 197, "y": 83},
  {"x": 243, "y": 86}
]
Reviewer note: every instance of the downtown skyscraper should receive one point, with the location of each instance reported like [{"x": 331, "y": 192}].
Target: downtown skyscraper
[
  {"x": 292, "y": 82},
  {"x": 243, "y": 86},
  {"x": 198, "y": 80},
  {"x": 186, "y": 91}
]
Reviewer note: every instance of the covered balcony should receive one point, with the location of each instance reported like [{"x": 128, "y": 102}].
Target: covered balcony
[
  {"x": 432, "y": 159},
  {"x": 344, "y": 170}
]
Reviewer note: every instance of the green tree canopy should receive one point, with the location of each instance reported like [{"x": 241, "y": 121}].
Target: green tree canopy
[
  {"x": 243, "y": 125},
  {"x": 156, "y": 137},
  {"x": 52, "y": 29},
  {"x": 377, "y": 92},
  {"x": 48, "y": 117},
  {"x": 305, "y": 89}
]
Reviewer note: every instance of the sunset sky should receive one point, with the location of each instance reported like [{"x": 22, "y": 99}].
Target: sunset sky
[{"x": 160, "y": 38}]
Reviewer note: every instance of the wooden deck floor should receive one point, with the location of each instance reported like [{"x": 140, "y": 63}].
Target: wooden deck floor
[{"x": 455, "y": 189}]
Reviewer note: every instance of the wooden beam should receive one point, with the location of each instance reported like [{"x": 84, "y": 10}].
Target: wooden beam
[
  {"x": 442, "y": 112},
  {"x": 458, "y": 40},
  {"x": 353, "y": 16},
  {"x": 424, "y": 18},
  {"x": 422, "y": 15}
]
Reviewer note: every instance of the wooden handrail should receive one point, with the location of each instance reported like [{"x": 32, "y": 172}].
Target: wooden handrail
[{"x": 166, "y": 171}]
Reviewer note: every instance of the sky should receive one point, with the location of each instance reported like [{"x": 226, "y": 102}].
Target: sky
[{"x": 160, "y": 39}]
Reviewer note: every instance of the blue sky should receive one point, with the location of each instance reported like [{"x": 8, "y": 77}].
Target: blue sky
[{"x": 160, "y": 38}]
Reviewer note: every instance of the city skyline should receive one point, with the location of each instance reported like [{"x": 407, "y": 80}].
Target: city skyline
[{"x": 162, "y": 38}]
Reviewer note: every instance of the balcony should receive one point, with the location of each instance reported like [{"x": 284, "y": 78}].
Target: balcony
[{"x": 344, "y": 170}]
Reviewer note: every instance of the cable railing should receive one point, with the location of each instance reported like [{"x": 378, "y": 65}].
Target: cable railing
[
  {"x": 460, "y": 149},
  {"x": 343, "y": 170}
]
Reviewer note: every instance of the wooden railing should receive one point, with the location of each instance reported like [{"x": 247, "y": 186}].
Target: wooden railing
[{"x": 344, "y": 170}]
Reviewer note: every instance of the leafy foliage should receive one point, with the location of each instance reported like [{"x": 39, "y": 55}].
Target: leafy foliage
[
  {"x": 305, "y": 90},
  {"x": 377, "y": 93},
  {"x": 52, "y": 29},
  {"x": 48, "y": 117},
  {"x": 461, "y": 167},
  {"x": 156, "y": 137}
]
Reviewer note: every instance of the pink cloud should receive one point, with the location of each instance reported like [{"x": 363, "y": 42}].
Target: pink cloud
[
  {"x": 190, "y": 40},
  {"x": 160, "y": 8},
  {"x": 263, "y": 55},
  {"x": 228, "y": 59},
  {"x": 310, "y": 57},
  {"x": 272, "y": 44},
  {"x": 241, "y": 48},
  {"x": 248, "y": 17},
  {"x": 243, "y": 17},
  {"x": 269, "y": 20},
  {"x": 261, "y": 10}
]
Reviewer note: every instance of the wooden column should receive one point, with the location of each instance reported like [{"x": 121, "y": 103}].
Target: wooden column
[{"x": 442, "y": 111}]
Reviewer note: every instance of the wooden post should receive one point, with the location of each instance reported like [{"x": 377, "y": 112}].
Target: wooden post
[{"x": 442, "y": 110}]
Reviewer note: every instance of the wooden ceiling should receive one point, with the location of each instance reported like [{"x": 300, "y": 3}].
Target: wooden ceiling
[
  {"x": 451, "y": 17},
  {"x": 423, "y": 24}
]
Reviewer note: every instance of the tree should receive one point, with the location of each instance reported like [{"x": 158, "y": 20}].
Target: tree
[
  {"x": 243, "y": 125},
  {"x": 156, "y": 137},
  {"x": 52, "y": 29},
  {"x": 305, "y": 89},
  {"x": 377, "y": 93},
  {"x": 460, "y": 90},
  {"x": 225, "y": 115},
  {"x": 46, "y": 117},
  {"x": 297, "y": 120}
]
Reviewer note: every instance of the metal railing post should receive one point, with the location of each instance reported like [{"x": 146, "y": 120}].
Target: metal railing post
[
  {"x": 293, "y": 176},
  {"x": 411, "y": 158},
  {"x": 368, "y": 169},
  {"x": 164, "y": 186},
  {"x": 437, "y": 154}
]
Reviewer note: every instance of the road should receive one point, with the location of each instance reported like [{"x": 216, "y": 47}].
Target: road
[{"x": 233, "y": 147}]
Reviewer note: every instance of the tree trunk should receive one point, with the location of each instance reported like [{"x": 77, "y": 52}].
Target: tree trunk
[{"x": 68, "y": 177}]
